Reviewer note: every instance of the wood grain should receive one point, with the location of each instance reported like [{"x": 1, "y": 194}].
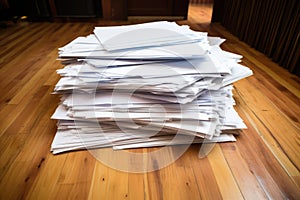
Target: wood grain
[{"x": 264, "y": 163}]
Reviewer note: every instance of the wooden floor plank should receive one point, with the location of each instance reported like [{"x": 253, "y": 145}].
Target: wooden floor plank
[
  {"x": 136, "y": 186},
  {"x": 75, "y": 180},
  {"x": 223, "y": 174},
  {"x": 281, "y": 128},
  {"x": 274, "y": 180},
  {"x": 206, "y": 182},
  {"x": 99, "y": 182},
  {"x": 45, "y": 187},
  {"x": 112, "y": 185},
  {"x": 267, "y": 136},
  {"x": 25, "y": 168},
  {"x": 247, "y": 182}
]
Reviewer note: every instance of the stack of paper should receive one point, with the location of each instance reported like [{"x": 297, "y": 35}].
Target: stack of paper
[{"x": 146, "y": 85}]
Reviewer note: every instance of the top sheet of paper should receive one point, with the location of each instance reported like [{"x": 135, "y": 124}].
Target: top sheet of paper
[{"x": 144, "y": 35}]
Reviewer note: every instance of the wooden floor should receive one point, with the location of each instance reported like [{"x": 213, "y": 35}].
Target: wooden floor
[{"x": 264, "y": 163}]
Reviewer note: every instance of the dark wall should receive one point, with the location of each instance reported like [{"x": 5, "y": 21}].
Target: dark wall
[
  {"x": 270, "y": 26},
  {"x": 78, "y": 8},
  {"x": 30, "y": 8},
  {"x": 157, "y": 7},
  {"x": 39, "y": 9}
]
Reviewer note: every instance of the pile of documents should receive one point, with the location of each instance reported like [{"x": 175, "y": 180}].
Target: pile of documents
[{"x": 146, "y": 85}]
